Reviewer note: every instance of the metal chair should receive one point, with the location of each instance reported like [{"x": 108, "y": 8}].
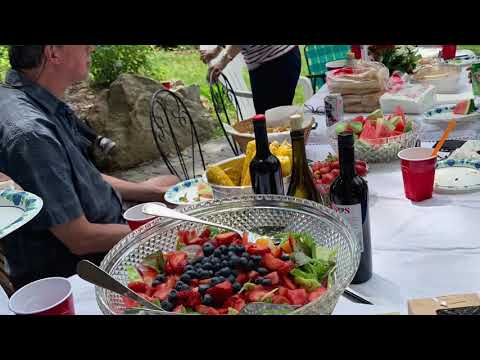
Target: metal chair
[
  {"x": 317, "y": 56},
  {"x": 167, "y": 113},
  {"x": 224, "y": 99}
]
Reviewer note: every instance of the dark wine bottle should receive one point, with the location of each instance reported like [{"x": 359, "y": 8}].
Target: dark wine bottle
[
  {"x": 349, "y": 196},
  {"x": 301, "y": 181},
  {"x": 265, "y": 168}
]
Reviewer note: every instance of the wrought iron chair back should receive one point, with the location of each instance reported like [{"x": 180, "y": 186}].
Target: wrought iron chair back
[
  {"x": 167, "y": 114},
  {"x": 4, "y": 280},
  {"x": 223, "y": 96}
]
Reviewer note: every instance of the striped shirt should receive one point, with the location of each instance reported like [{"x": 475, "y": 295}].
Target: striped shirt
[{"x": 256, "y": 55}]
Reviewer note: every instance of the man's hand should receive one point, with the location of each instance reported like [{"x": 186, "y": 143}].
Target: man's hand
[
  {"x": 159, "y": 185},
  {"x": 214, "y": 72},
  {"x": 208, "y": 55}
]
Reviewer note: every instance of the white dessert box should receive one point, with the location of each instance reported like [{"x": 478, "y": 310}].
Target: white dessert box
[{"x": 413, "y": 99}]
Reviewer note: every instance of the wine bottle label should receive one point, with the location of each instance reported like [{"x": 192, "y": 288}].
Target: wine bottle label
[{"x": 353, "y": 215}]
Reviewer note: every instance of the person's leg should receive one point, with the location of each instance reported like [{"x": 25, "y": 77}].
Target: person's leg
[{"x": 274, "y": 83}]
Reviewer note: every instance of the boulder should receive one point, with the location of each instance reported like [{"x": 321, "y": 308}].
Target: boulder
[{"x": 122, "y": 113}]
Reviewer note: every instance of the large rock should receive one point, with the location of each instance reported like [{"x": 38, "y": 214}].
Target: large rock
[{"x": 122, "y": 113}]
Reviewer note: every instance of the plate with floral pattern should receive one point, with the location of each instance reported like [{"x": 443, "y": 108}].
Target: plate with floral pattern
[
  {"x": 189, "y": 192},
  {"x": 457, "y": 176},
  {"x": 444, "y": 113},
  {"x": 16, "y": 209}
]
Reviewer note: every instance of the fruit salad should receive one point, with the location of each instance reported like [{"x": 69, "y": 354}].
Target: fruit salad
[
  {"x": 217, "y": 273},
  {"x": 325, "y": 172}
]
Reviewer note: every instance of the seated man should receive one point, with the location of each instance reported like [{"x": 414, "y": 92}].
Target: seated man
[{"x": 42, "y": 151}]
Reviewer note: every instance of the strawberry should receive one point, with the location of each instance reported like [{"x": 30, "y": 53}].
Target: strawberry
[
  {"x": 221, "y": 292},
  {"x": 178, "y": 261},
  {"x": 324, "y": 170},
  {"x": 138, "y": 287},
  {"x": 161, "y": 291},
  {"x": 335, "y": 164},
  {"x": 226, "y": 238},
  {"x": 360, "y": 170},
  {"x": 286, "y": 267},
  {"x": 335, "y": 172}
]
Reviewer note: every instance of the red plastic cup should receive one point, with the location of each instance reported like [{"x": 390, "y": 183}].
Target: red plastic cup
[
  {"x": 136, "y": 218},
  {"x": 418, "y": 171},
  {"x": 449, "y": 51},
  {"x": 49, "y": 296},
  {"x": 167, "y": 84}
]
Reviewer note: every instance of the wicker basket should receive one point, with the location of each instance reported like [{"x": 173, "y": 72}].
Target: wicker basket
[{"x": 246, "y": 127}]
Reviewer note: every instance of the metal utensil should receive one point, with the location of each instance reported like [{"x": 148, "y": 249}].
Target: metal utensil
[
  {"x": 355, "y": 297},
  {"x": 90, "y": 272},
  {"x": 156, "y": 210}
]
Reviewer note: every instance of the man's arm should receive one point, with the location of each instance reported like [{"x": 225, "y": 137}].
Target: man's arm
[
  {"x": 150, "y": 190},
  {"x": 82, "y": 237}
]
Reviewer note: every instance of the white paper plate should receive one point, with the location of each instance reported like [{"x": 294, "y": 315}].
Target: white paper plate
[
  {"x": 16, "y": 209},
  {"x": 465, "y": 60},
  {"x": 457, "y": 176},
  {"x": 186, "y": 193},
  {"x": 444, "y": 113}
]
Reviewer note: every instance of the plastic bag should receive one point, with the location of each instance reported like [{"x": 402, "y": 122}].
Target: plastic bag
[{"x": 365, "y": 77}]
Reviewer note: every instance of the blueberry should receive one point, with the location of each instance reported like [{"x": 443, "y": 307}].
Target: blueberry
[
  {"x": 207, "y": 299},
  {"x": 231, "y": 248},
  {"x": 234, "y": 261},
  {"x": 204, "y": 274},
  {"x": 209, "y": 273},
  {"x": 245, "y": 254},
  {"x": 259, "y": 280},
  {"x": 251, "y": 265},
  {"x": 160, "y": 279},
  {"x": 215, "y": 260},
  {"x": 225, "y": 263},
  {"x": 266, "y": 282},
  {"x": 217, "y": 280},
  {"x": 262, "y": 271},
  {"x": 166, "y": 305},
  {"x": 180, "y": 286},
  {"x": 236, "y": 287},
  {"x": 202, "y": 289},
  {"x": 192, "y": 273},
  {"x": 223, "y": 249},
  {"x": 225, "y": 257},
  {"x": 243, "y": 261},
  {"x": 256, "y": 258},
  {"x": 172, "y": 295},
  {"x": 217, "y": 253},
  {"x": 232, "y": 278},
  {"x": 185, "y": 278},
  {"x": 235, "y": 272},
  {"x": 231, "y": 253},
  {"x": 207, "y": 266},
  {"x": 240, "y": 249},
  {"x": 188, "y": 268},
  {"x": 225, "y": 272},
  {"x": 208, "y": 249},
  {"x": 284, "y": 257}
]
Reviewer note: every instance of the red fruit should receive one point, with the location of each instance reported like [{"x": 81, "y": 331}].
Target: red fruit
[
  {"x": 297, "y": 297},
  {"x": 335, "y": 164},
  {"x": 316, "y": 165},
  {"x": 271, "y": 262},
  {"x": 361, "y": 162},
  {"x": 274, "y": 277},
  {"x": 171, "y": 281},
  {"x": 316, "y": 293},
  {"x": 148, "y": 274},
  {"x": 226, "y": 238},
  {"x": 178, "y": 261},
  {"x": 161, "y": 291},
  {"x": 223, "y": 311},
  {"x": 242, "y": 278},
  {"x": 361, "y": 171},
  {"x": 146, "y": 297},
  {"x": 129, "y": 303},
  {"x": 324, "y": 170},
  {"x": 204, "y": 281},
  {"x": 194, "y": 282},
  {"x": 221, "y": 292},
  {"x": 279, "y": 299},
  {"x": 288, "y": 282},
  {"x": 138, "y": 286},
  {"x": 252, "y": 275},
  {"x": 190, "y": 298},
  {"x": 257, "y": 250},
  {"x": 198, "y": 241},
  {"x": 206, "y": 310},
  {"x": 282, "y": 291},
  {"x": 400, "y": 127},
  {"x": 335, "y": 172},
  {"x": 235, "y": 302},
  {"x": 277, "y": 251},
  {"x": 245, "y": 238},
  {"x": 185, "y": 236},
  {"x": 360, "y": 119},
  {"x": 179, "y": 309},
  {"x": 206, "y": 233},
  {"x": 286, "y": 267},
  {"x": 256, "y": 295},
  {"x": 327, "y": 179}
]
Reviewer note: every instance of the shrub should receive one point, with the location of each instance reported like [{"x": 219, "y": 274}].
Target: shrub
[
  {"x": 109, "y": 61},
  {"x": 4, "y": 63}
]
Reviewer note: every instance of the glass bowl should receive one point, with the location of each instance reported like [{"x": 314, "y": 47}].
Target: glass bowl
[
  {"x": 381, "y": 150},
  {"x": 258, "y": 213}
]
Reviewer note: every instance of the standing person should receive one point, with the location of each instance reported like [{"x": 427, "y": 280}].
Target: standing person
[
  {"x": 274, "y": 71},
  {"x": 42, "y": 150}
]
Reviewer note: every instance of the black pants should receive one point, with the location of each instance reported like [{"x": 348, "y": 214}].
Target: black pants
[{"x": 273, "y": 83}]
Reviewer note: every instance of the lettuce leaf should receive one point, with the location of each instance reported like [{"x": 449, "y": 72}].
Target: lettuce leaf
[
  {"x": 133, "y": 274},
  {"x": 155, "y": 261},
  {"x": 307, "y": 280}
]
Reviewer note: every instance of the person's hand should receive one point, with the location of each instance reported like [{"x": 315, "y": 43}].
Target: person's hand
[
  {"x": 160, "y": 184},
  {"x": 208, "y": 55},
  {"x": 214, "y": 72},
  {"x": 469, "y": 70}
]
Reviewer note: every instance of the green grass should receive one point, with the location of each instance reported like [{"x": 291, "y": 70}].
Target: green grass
[{"x": 474, "y": 48}]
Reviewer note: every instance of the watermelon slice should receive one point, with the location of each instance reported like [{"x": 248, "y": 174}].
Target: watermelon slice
[
  {"x": 342, "y": 127},
  {"x": 398, "y": 122},
  {"x": 465, "y": 107},
  {"x": 384, "y": 128},
  {"x": 356, "y": 126},
  {"x": 375, "y": 115},
  {"x": 369, "y": 135}
]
